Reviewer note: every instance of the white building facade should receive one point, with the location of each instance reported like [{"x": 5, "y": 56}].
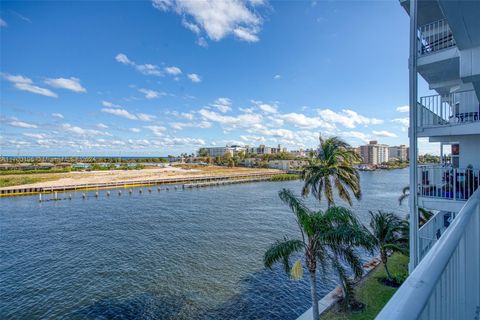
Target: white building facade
[{"x": 445, "y": 252}]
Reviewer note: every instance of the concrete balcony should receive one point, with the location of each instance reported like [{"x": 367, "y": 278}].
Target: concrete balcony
[
  {"x": 445, "y": 188},
  {"x": 451, "y": 114},
  {"x": 446, "y": 283}
]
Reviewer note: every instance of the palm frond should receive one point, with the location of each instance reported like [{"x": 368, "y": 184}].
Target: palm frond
[{"x": 280, "y": 251}]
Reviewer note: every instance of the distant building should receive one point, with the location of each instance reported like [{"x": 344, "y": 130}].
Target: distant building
[
  {"x": 287, "y": 164},
  {"x": 374, "y": 153},
  {"x": 221, "y": 151},
  {"x": 398, "y": 153}
]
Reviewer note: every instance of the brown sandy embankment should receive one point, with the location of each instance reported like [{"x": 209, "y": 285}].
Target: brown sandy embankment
[{"x": 60, "y": 180}]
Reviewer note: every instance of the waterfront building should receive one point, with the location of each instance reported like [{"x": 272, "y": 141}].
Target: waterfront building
[
  {"x": 374, "y": 153},
  {"x": 397, "y": 153},
  {"x": 221, "y": 151},
  {"x": 445, "y": 252},
  {"x": 287, "y": 164}
]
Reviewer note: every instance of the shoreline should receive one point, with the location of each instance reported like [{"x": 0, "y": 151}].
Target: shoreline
[{"x": 96, "y": 180}]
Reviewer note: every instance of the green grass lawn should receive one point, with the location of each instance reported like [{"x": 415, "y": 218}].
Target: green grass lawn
[
  {"x": 16, "y": 180},
  {"x": 371, "y": 292}
]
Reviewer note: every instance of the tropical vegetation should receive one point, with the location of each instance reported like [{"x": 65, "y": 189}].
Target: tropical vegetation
[
  {"x": 333, "y": 167},
  {"x": 328, "y": 241},
  {"x": 386, "y": 232}
]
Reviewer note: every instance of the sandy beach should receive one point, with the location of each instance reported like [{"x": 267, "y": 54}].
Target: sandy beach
[{"x": 125, "y": 176}]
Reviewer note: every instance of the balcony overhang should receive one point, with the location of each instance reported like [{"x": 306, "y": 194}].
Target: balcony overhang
[
  {"x": 428, "y": 11},
  {"x": 439, "y": 204},
  {"x": 463, "y": 18},
  {"x": 440, "y": 66},
  {"x": 440, "y": 133}
]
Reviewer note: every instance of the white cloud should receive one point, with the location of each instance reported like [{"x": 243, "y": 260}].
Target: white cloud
[
  {"x": 217, "y": 18},
  {"x": 102, "y": 126},
  {"x": 120, "y": 113},
  {"x": 194, "y": 77},
  {"x": 268, "y": 108},
  {"x": 146, "y": 69},
  {"x": 384, "y": 133},
  {"x": 403, "y": 121},
  {"x": 347, "y": 118},
  {"x": 223, "y": 104},
  {"x": 174, "y": 71},
  {"x": 3, "y": 23},
  {"x": 356, "y": 134},
  {"x": 80, "y": 131},
  {"x": 277, "y": 77},
  {"x": 108, "y": 104},
  {"x": 250, "y": 139},
  {"x": 22, "y": 124},
  {"x": 35, "y": 135},
  {"x": 182, "y": 125},
  {"x": 151, "y": 94},
  {"x": 157, "y": 130},
  {"x": 26, "y": 84},
  {"x": 57, "y": 115},
  {"x": 145, "y": 117},
  {"x": 302, "y": 121},
  {"x": 243, "y": 120},
  {"x": 135, "y": 130},
  {"x": 202, "y": 42},
  {"x": 403, "y": 109},
  {"x": 72, "y": 84}
]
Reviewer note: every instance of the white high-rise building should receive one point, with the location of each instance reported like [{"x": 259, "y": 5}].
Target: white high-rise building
[{"x": 445, "y": 252}]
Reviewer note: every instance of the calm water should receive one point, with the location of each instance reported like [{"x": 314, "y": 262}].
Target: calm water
[{"x": 178, "y": 254}]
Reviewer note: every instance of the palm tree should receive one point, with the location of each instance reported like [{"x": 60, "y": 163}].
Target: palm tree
[
  {"x": 386, "y": 231},
  {"x": 327, "y": 239},
  {"x": 333, "y": 167},
  {"x": 423, "y": 214}
]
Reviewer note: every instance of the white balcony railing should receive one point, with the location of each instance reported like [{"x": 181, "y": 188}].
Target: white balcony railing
[
  {"x": 434, "y": 37},
  {"x": 455, "y": 108},
  {"x": 446, "y": 283},
  {"x": 432, "y": 230},
  {"x": 446, "y": 182}
]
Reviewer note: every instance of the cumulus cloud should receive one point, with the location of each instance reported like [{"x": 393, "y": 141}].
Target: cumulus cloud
[
  {"x": 182, "y": 125},
  {"x": 403, "y": 109},
  {"x": 22, "y": 124},
  {"x": 72, "y": 84},
  {"x": 156, "y": 130},
  {"x": 134, "y": 130},
  {"x": 347, "y": 118},
  {"x": 146, "y": 69},
  {"x": 242, "y": 120},
  {"x": 174, "y": 71},
  {"x": 194, "y": 77},
  {"x": 277, "y": 77},
  {"x": 268, "y": 108},
  {"x": 151, "y": 94},
  {"x": 26, "y": 84},
  {"x": 81, "y": 131},
  {"x": 117, "y": 110},
  {"x": 384, "y": 133},
  {"x": 102, "y": 126},
  {"x": 223, "y": 104},
  {"x": 217, "y": 18},
  {"x": 356, "y": 135},
  {"x": 302, "y": 121},
  {"x": 57, "y": 115},
  {"x": 35, "y": 135},
  {"x": 403, "y": 121}
]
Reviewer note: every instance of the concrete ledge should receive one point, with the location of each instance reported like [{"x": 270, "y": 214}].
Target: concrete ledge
[{"x": 328, "y": 301}]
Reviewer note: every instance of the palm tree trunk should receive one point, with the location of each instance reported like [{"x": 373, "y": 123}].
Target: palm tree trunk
[
  {"x": 384, "y": 261},
  {"x": 313, "y": 291}
]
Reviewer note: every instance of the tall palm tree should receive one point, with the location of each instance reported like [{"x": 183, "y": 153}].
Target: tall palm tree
[
  {"x": 423, "y": 214},
  {"x": 333, "y": 167},
  {"x": 327, "y": 240},
  {"x": 386, "y": 231}
]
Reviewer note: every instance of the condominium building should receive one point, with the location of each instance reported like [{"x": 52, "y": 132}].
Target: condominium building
[
  {"x": 445, "y": 252},
  {"x": 398, "y": 153},
  {"x": 374, "y": 153},
  {"x": 221, "y": 151}
]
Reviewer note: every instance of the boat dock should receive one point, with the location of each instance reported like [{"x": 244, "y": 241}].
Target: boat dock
[{"x": 188, "y": 182}]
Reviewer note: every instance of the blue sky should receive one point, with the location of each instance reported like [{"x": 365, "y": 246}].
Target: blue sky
[{"x": 170, "y": 76}]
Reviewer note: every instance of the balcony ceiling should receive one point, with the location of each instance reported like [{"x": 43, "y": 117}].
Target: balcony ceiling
[
  {"x": 428, "y": 11},
  {"x": 464, "y": 20}
]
